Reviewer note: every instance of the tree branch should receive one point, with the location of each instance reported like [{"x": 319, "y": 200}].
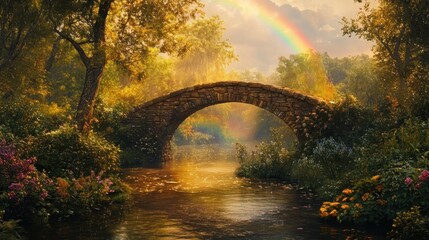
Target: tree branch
[{"x": 79, "y": 49}]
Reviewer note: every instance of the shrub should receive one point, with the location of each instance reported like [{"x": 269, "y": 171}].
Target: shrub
[
  {"x": 23, "y": 119},
  {"x": 269, "y": 160},
  {"x": 333, "y": 156},
  {"x": 23, "y": 189},
  {"x": 66, "y": 152},
  {"x": 363, "y": 203},
  {"x": 28, "y": 194},
  {"x": 410, "y": 225},
  {"x": 346, "y": 121},
  {"x": 308, "y": 173},
  {"x": 83, "y": 195},
  {"x": 381, "y": 197},
  {"x": 10, "y": 230}
]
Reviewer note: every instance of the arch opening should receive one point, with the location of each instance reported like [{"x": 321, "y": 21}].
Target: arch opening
[{"x": 212, "y": 132}]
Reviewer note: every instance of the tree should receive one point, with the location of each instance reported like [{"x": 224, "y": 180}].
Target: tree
[
  {"x": 208, "y": 53},
  {"x": 122, "y": 29},
  {"x": 361, "y": 80},
  {"x": 305, "y": 72},
  {"x": 336, "y": 68},
  {"x": 19, "y": 20},
  {"x": 392, "y": 26}
]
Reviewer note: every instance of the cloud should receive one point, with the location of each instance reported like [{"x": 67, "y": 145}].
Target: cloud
[
  {"x": 326, "y": 28},
  {"x": 259, "y": 47}
]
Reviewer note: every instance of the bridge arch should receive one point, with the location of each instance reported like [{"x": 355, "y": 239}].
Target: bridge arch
[{"x": 161, "y": 117}]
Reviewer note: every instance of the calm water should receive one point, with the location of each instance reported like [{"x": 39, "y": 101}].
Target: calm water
[{"x": 200, "y": 198}]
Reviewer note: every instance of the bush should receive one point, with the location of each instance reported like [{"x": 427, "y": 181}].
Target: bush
[
  {"x": 410, "y": 225},
  {"x": 10, "y": 230},
  {"x": 269, "y": 160},
  {"x": 23, "y": 119},
  {"x": 23, "y": 189},
  {"x": 345, "y": 121},
  {"x": 308, "y": 173},
  {"x": 67, "y": 153},
  {"x": 83, "y": 195},
  {"x": 334, "y": 157},
  {"x": 381, "y": 197},
  {"x": 28, "y": 194}
]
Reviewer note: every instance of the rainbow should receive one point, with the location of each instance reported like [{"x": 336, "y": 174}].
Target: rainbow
[{"x": 279, "y": 24}]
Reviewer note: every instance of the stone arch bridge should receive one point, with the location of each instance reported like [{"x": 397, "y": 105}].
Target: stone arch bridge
[{"x": 159, "y": 118}]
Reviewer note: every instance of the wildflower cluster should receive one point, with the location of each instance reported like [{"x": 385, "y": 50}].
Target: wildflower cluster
[
  {"x": 363, "y": 203},
  {"x": 22, "y": 187},
  {"x": 25, "y": 191},
  {"x": 82, "y": 195},
  {"x": 421, "y": 179}
]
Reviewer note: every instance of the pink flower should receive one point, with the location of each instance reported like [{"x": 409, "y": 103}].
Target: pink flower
[
  {"x": 424, "y": 175},
  {"x": 43, "y": 194},
  {"x": 16, "y": 186},
  {"x": 408, "y": 181},
  {"x": 418, "y": 186}
]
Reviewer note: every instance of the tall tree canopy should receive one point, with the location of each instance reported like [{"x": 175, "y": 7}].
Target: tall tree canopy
[
  {"x": 19, "y": 19},
  {"x": 306, "y": 72},
  {"x": 124, "y": 30},
  {"x": 399, "y": 30}
]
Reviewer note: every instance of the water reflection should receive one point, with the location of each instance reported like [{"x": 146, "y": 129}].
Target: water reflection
[{"x": 200, "y": 198}]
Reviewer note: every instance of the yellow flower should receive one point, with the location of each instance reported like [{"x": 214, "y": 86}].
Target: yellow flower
[
  {"x": 334, "y": 204},
  {"x": 77, "y": 186},
  {"x": 345, "y": 206},
  {"x": 365, "y": 197},
  {"x": 324, "y": 214},
  {"x": 333, "y": 213},
  {"x": 326, "y": 203},
  {"x": 379, "y": 188},
  {"x": 347, "y": 191},
  {"x": 344, "y": 199},
  {"x": 322, "y": 209},
  {"x": 62, "y": 188},
  {"x": 375, "y": 178},
  {"x": 358, "y": 205},
  {"x": 352, "y": 199},
  {"x": 62, "y": 183}
]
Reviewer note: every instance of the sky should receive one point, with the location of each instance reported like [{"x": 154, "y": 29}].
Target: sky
[{"x": 259, "y": 47}]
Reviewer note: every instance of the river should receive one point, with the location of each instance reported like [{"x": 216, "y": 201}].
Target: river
[{"x": 199, "y": 197}]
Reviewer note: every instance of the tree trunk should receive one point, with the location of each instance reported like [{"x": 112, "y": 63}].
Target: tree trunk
[
  {"x": 94, "y": 69},
  {"x": 89, "y": 93}
]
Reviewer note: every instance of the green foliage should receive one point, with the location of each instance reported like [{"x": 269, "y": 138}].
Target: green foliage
[
  {"x": 345, "y": 121},
  {"x": 406, "y": 144},
  {"x": 81, "y": 196},
  {"x": 379, "y": 198},
  {"x": 364, "y": 203},
  {"x": 10, "y": 230},
  {"x": 334, "y": 157},
  {"x": 31, "y": 195},
  {"x": 268, "y": 160},
  {"x": 410, "y": 224},
  {"x": 140, "y": 145},
  {"x": 20, "y": 20},
  {"x": 307, "y": 172},
  {"x": 398, "y": 50},
  {"x": 208, "y": 53},
  {"x": 305, "y": 72},
  {"x": 201, "y": 133},
  {"x": 23, "y": 189},
  {"x": 21, "y": 118},
  {"x": 361, "y": 80},
  {"x": 66, "y": 152}
]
